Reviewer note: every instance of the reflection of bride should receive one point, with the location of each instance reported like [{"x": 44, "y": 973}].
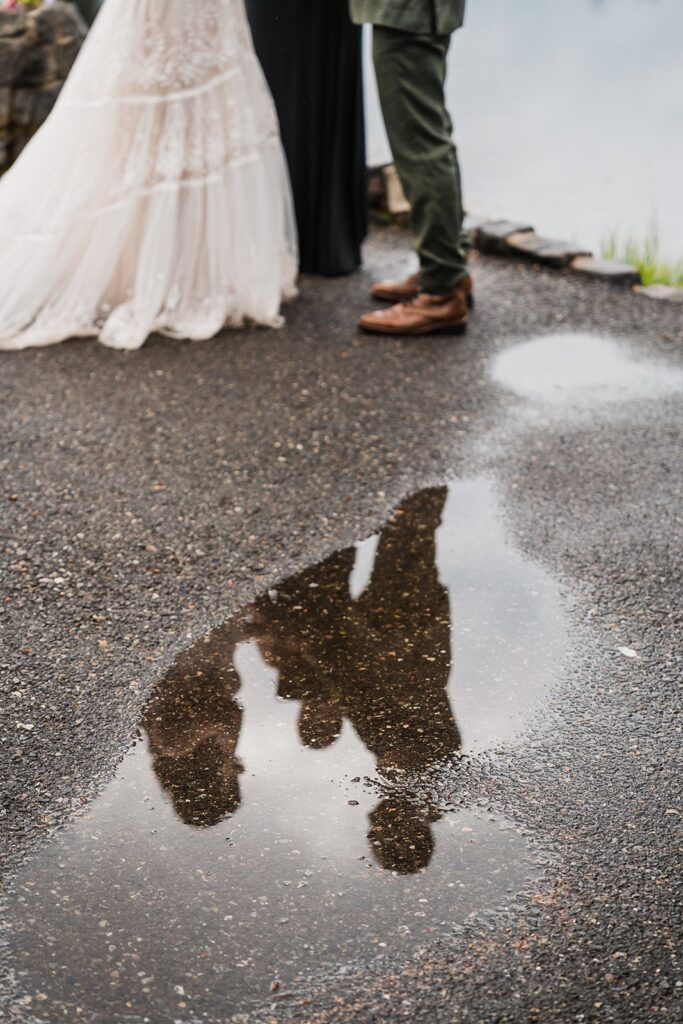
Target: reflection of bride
[
  {"x": 155, "y": 197},
  {"x": 193, "y": 724}
]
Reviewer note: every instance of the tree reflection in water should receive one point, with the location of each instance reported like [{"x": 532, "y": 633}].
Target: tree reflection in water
[{"x": 379, "y": 661}]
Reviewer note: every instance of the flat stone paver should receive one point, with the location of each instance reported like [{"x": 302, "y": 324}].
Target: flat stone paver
[
  {"x": 606, "y": 270},
  {"x": 548, "y": 251},
  {"x": 661, "y": 292}
]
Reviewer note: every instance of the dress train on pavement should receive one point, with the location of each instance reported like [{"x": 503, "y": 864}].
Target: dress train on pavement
[{"x": 156, "y": 197}]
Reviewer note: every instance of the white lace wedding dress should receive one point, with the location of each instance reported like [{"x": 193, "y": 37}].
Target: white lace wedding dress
[{"x": 156, "y": 196}]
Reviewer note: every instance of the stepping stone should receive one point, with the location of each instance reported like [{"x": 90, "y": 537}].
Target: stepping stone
[
  {"x": 491, "y": 236},
  {"x": 607, "y": 270},
  {"x": 396, "y": 197},
  {"x": 661, "y": 292},
  {"x": 551, "y": 252}
]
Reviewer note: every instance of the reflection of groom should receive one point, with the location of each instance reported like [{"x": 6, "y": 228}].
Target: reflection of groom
[
  {"x": 411, "y": 43},
  {"x": 381, "y": 661}
]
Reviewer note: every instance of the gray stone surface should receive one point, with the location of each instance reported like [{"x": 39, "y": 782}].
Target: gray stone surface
[
  {"x": 37, "y": 51},
  {"x": 58, "y": 22},
  {"x": 606, "y": 270},
  {"x": 23, "y": 104},
  {"x": 491, "y": 236},
  {"x": 149, "y": 496},
  {"x": 10, "y": 57},
  {"x": 44, "y": 102},
  {"x": 5, "y": 105},
  {"x": 661, "y": 292},
  {"x": 13, "y": 23},
  {"x": 64, "y": 54},
  {"x": 551, "y": 252}
]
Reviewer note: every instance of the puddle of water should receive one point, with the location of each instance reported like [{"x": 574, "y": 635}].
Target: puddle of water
[
  {"x": 582, "y": 369},
  {"x": 238, "y": 843}
]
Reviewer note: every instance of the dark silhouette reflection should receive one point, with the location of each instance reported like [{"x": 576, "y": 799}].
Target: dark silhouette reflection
[
  {"x": 401, "y": 835},
  {"x": 193, "y": 724},
  {"x": 382, "y": 662}
]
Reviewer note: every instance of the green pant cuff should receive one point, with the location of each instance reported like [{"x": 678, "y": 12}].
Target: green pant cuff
[{"x": 439, "y": 284}]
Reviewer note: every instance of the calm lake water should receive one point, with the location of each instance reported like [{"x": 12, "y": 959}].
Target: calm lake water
[{"x": 569, "y": 114}]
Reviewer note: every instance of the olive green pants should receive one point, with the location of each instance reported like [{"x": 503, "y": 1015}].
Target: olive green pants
[{"x": 411, "y": 75}]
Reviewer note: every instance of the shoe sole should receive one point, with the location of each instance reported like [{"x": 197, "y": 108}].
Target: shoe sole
[
  {"x": 452, "y": 327},
  {"x": 386, "y": 297}
]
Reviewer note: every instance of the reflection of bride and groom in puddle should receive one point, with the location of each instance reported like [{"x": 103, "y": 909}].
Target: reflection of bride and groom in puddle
[
  {"x": 253, "y": 736},
  {"x": 380, "y": 661}
]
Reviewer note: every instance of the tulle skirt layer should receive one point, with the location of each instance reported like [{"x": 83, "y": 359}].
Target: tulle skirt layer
[{"x": 150, "y": 203}]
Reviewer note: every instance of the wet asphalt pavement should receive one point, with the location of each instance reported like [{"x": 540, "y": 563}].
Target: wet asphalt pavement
[{"x": 150, "y": 498}]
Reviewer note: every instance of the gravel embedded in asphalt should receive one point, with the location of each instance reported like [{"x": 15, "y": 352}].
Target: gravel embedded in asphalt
[{"x": 147, "y": 497}]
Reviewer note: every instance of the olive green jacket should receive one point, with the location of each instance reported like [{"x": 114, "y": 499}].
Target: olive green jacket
[{"x": 420, "y": 16}]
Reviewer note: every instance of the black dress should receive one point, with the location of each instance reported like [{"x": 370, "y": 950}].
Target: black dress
[{"x": 311, "y": 55}]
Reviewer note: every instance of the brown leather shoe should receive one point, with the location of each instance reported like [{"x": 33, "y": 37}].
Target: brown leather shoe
[
  {"x": 425, "y": 314},
  {"x": 409, "y": 288}
]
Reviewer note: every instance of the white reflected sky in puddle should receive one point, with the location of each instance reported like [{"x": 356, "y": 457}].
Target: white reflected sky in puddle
[
  {"x": 507, "y": 626},
  {"x": 582, "y": 370}
]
